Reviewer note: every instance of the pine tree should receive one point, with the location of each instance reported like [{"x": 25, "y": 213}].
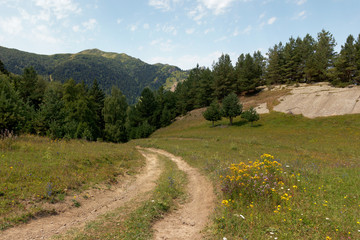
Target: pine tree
[
  {"x": 12, "y": 116},
  {"x": 346, "y": 62},
  {"x": 324, "y": 55},
  {"x": 231, "y": 107},
  {"x": 250, "y": 115},
  {"x": 97, "y": 97},
  {"x": 274, "y": 71},
  {"x": 224, "y": 77},
  {"x": 213, "y": 112},
  {"x": 114, "y": 112}
]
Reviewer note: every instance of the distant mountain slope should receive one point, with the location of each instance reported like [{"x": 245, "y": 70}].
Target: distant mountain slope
[{"x": 130, "y": 74}]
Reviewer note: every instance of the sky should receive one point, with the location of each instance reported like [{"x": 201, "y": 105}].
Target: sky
[{"x": 183, "y": 33}]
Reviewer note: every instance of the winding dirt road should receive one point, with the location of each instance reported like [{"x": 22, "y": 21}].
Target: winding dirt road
[
  {"x": 191, "y": 218},
  {"x": 185, "y": 223},
  {"x": 100, "y": 203}
]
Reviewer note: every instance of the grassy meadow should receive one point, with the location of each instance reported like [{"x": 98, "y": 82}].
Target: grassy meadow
[
  {"x": 313, "y": 192},
  {"x": 36, "y": 171}
]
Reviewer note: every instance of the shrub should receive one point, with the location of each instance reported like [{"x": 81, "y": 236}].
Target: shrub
[{"x": 256, "y": 180}]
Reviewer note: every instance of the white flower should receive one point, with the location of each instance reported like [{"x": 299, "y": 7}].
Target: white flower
[
  {"x": 327, "y": 218},
  {"x": 271, "y": 233},
  {"x": 242, "y": 216},
  {"x": 224, "y": 238}
]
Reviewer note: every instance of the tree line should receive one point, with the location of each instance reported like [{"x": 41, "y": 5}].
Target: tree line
[
  {"x": 30, "y": 104},
  {"x": 300, "y": 60}
]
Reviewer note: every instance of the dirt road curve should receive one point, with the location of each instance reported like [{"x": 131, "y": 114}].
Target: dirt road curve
[
  {"x": 191, "y": 218},
  {"x": 100, "y": 203}
]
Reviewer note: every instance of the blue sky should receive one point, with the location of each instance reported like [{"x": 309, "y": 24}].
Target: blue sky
[{"x": 177, "y": 32}]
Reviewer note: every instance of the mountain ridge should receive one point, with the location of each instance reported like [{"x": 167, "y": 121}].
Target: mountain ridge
[{"x": 131, "y": 75}]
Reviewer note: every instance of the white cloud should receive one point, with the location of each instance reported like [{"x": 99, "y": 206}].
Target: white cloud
[
  {"x": 90, "y": 24},
  {"x": 76, "y": 28},
  {"x": 146, "y": 26},
  {"x": 221, "y": 39},
  {"x": 261, "y": 16},
  {"x": 271, "y": 20},
  {"x": 300, "y": 15},
  {"x": 160, "y": 4},
  {"x": 43, "y": 34},
  {"x": 247, "y": 30},
  {"x": 166, "y": 29},
  {"x": 163, "y": 45},
  {"x": 190, "y": 31},
  {"x": 133, "y": 27},
  {"x": 60, "y": 8},
  {"x": 217, "y": 6},
  {"x": 11, "y": 26},
  {"x": 198, "y": 13},
  {"x": 119, "y": 20},
  {"x": 300, "y": 2},
  {"x": 209, "y": 30}
]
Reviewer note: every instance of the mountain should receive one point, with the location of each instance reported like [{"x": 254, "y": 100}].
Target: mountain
[{"x": 130, "y": 74}]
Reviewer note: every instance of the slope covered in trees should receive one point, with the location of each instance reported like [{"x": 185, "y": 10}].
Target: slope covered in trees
[
  {"x": 129, "y": 74},
  {"x": 300, "y": 60}
]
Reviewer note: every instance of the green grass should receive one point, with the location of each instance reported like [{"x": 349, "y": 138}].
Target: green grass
[
  {"x": 35, "y": 170},
  {"x": 134, "y": 221},
  {"x": 321, "y": 155}
]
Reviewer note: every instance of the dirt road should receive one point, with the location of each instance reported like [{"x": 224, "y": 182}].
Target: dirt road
[
  {"x": 191, "y": 218},
  {"x": 185, "y": 223},
  {"x": 100, "y": 203}
]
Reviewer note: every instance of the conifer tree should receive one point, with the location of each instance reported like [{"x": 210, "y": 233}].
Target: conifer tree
[
  {"x": 231, "y": 107},
  {"x": 224, "y": 77},
  {"x": 213, "y": 112},
  {"x": 114, "y": 112}
]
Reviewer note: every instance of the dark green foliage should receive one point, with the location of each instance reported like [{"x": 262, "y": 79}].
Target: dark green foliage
[
  {"x": 3, "y": 69},
  {"x": 31, "y": 87},
  {"x": 129, "y": 74},
  {"x": 12, "y": 115},
  {"x": 231, "y": 107},
  {"x": 114, "y": 113},
  {"x": 274, "y": 72},
  {"x": 250, "y": 115},
  {"x": 50, "y": 116},
  {"x": 346, "y": 63},
  {"x": 146, "y": 106},
  {"x": 248, "y": 71},
  {"x": 97, "y": 97},
  {"x": 324, "y": 56},
  {"x": 224, "y": 77},
  {"x": 213, "y": 112}
]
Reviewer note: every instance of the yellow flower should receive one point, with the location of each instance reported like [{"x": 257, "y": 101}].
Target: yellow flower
[
  {"x": 328, "y": 238},
  {"x": 295, "y": 187}
]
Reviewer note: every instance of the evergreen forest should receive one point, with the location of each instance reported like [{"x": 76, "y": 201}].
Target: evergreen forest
[{"x": 31, "y": 103}]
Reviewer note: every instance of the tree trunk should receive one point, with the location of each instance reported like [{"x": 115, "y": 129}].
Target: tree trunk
[{"x": 231, "y": 120}]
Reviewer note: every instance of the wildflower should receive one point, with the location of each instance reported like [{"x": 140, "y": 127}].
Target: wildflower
[
  {"x": 300, "y": 219},
  {"x": 295, "y": 187},
  {"x": 328, "y": 238}
]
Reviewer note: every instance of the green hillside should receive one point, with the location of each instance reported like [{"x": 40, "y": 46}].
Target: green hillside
[{"x": 130, "y": 74}]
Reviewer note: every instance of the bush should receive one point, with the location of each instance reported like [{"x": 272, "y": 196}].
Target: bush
[{"x": 256, "y": 180}]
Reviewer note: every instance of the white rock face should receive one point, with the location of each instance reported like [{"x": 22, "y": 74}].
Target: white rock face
[{"x": 320, "y": 100}]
